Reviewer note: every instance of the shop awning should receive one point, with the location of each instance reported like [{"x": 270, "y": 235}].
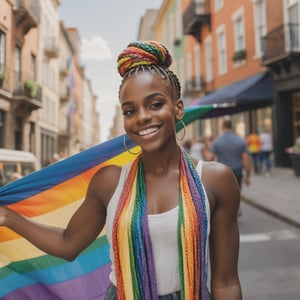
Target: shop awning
[{"x": 248, "y": 94}]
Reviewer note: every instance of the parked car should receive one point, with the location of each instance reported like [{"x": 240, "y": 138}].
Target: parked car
[{"x": 14, "y": 162}]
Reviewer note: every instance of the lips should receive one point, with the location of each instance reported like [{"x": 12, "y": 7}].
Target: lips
[{"x": 147, "y": 131}]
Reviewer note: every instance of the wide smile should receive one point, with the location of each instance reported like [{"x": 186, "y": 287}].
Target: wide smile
[{"x": 146, "y": 132}]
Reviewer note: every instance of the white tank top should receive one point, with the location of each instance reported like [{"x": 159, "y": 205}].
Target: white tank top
[{"x": 163, "y": 234}]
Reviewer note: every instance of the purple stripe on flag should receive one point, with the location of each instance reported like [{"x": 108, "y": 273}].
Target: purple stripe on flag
[{"x": 92, "y": 286}]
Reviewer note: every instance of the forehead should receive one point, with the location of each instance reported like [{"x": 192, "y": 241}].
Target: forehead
[{"x": 142, "y": 84}]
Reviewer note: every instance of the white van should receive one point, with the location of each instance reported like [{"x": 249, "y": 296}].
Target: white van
[{"x": 16, "y": 161}]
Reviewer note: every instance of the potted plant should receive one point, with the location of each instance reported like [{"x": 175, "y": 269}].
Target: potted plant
[
  {"x": 31, "y": 87},
  {"x": 239, "y": 55},
  {"x": 2, "y": 77},
  {"x": 294, "y": 153}
]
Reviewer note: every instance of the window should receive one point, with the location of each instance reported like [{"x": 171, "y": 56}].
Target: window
[
  {"x": 189, "y": 66},
  {"x": 33, "y": 67},
  {"x": 18, "y": 133},
  {"x": 260, "y": 25},
  {"x": 293, "y": 30},
  {"x": 17, "y": 67},
  {"x": 222, "y": 51},
  {"x": 180, "y": 70},
  {"x": 197, "y": 56},
  {"x": 2, "y": 123},
  {"x": 32, "y": 137},
  {"x": 219, "y": 4},
  {"x": 209, "y": 59},
  {"x": 171, "y": 31},
  {"x": 2, "y": 51},
  {"x": 178, "y": 20},
  {"x": 239, "y": 33}
]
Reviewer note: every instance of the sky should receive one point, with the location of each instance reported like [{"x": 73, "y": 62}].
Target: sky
[{"x": 106, "y": 27}]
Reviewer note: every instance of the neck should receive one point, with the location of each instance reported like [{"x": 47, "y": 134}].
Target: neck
[{"x": 162, "y": 161}]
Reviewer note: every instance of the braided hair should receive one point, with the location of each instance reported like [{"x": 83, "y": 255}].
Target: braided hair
[{"x": 147, "y": 56}]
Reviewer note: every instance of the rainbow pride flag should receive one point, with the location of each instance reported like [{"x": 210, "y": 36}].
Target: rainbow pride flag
[{"x": 50, "y": 196}]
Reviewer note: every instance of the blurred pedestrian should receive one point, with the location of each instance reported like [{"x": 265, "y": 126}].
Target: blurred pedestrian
[
  {"x": 187, "y": 146},
  {"x": 254, "y": 145},
  {"x": 232, "y": 151},
  {"x": 198, "y": 150},
  {"x": 15, "y": 176},
  {"x": 266, "y": 150}
]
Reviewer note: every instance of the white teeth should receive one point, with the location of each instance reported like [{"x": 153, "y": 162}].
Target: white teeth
[{"x": 147, "y": 131}]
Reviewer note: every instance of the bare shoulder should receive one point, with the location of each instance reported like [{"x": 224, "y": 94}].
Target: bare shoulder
[
  {"x": 214, "y": 168},
  {"x": 220, "y": 183},
  {"x": 104, "y": 182}
]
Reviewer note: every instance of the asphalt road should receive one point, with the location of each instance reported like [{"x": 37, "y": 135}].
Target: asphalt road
[{"x": 269, "y": 262}]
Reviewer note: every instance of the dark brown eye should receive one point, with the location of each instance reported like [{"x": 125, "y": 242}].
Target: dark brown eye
[{"x": 156, "y": 105}]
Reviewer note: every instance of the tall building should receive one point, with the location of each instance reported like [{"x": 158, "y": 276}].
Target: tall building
[
  {"x": 281, "y": 55},
  {"x": 20, "y": 88},
  {"x": 48, "y": 74}
]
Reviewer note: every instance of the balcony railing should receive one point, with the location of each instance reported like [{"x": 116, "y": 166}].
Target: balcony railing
[
  {"x": 51, "y": 47},
  {"x": 281, "y": 42},
  {"x": 64, "y": 94},
  {"x": 4, "y": 77},
  {"x": 196, "y": 14},
  {"x": 27, "y": 14},
  {"x": 193, "y": 85},
  {"x": 28, "y": 95}
]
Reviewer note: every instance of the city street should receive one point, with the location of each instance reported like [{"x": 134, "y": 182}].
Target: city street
[{"x": 269, "y": 263}]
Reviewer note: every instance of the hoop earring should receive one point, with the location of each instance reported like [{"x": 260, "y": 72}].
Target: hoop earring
[
  {"x": 183, "y": 126},
  {"x": 126, "y": 147}
]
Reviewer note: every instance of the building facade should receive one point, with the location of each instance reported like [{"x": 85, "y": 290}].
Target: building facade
[
  {"x": 20, "y": 89},
  {"x": 44, "y": 95},
  {"x": 281, "y": 47}
]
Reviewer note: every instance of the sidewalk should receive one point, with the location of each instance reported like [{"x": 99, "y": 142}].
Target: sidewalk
[{"x": 278, "y": 195}]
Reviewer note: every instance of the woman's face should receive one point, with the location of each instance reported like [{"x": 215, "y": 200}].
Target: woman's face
[{"x": 149, "y": 110}]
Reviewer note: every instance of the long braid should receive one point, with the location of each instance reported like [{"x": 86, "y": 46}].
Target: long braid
[{"x": 132, "y": 249}]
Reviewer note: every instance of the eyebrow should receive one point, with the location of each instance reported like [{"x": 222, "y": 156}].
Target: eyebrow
[{"x": 153, "y": 95}]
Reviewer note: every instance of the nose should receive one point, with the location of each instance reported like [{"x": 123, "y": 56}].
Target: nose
[{"x": 144, "y": 115}]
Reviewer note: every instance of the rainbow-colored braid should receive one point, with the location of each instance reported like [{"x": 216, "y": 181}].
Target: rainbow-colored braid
[
  {"x": 141, "y": 53},
  {"x": 133, "y": 258}
]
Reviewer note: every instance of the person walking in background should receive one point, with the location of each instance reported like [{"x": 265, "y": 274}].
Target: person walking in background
[
  {"x": 254, "y": 145},
  {"x": 198, "y": 150},
  {"x": 232, "y": 151},
  {"x": 158, "y": 209},
  {"x": 187, "y": 146},
  {"x": 266, "y": 150}
]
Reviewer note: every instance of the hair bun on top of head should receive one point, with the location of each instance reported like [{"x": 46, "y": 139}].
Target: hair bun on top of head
[{"x": 143, "y": 53}]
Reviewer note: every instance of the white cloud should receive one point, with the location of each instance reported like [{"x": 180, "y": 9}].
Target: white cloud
[{"x": 95, "y": 48}]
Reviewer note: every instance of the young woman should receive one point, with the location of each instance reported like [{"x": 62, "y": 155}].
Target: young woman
[{"x": 171, "y": 223}]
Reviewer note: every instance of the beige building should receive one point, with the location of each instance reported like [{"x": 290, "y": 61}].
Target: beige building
[
  {"x": 46, "y": 103},
  {"x": 20, "y": 90},
  {"x": 49, "y": 78},
  {"x": 89, "y": 125}
]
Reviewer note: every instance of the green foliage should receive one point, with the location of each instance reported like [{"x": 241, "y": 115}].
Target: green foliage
[
  {"x": 2, "y": 75},
  {"x": 296, "y": 147},
  {"x": 239, "y": 55},
  {"x": 32, "y": 87}
]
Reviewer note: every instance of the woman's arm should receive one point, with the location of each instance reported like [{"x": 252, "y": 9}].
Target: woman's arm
[
  {"x": 82, "y": 229},
  {"x": 224, "y": 197}
]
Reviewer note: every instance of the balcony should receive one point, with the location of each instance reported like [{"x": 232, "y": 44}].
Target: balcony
[
  {"x": 63, "y": 71},
  {"x": 27, "y": 14},
  {"x": 193, "y": 86},
  {"x": 51, "y": 48},
  {"x": 64, "y": 94},
  {"x": 27, "y": 94},
  {"x": 281, "y": 46},
  {"x": 196, "y": 15},
  {"x": 3, "y": 78}
]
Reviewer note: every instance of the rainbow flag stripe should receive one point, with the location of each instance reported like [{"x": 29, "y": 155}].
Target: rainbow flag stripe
[{"x": 50, "y": 196}]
